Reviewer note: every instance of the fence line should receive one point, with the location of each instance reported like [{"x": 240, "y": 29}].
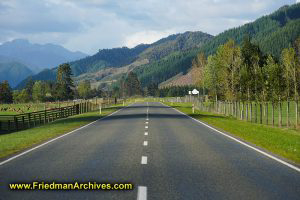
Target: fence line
[
  {"x": 11, "y": 123},
  {"x": 281, "y": 114}
]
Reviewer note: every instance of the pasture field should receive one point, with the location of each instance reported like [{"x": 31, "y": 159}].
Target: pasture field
[
  {"x": 14, "y": 109},
  {"x": 21, "y": 108}
]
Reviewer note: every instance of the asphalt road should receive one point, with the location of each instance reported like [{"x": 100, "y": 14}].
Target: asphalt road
[{"x": 177, "y": 158}]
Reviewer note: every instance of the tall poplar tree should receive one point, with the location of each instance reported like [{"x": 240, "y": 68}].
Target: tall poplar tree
[
  {"x": 38, "y": 91},
  {"x": 198, "y": 65},
  {"x": 213, "y": 77}
]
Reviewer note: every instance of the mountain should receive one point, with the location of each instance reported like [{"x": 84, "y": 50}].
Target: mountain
[
  {"x": 173, "y": 43},
  {"x": 107, "y": 64},
  {"x": 13, "y": 72},
  {"x": 272, "y": 33},
  {"x": 37, "y": 56},
  {"x": 115, "y": 57},
  {"x": 173, "y": 55},
  {"x": 118, "y": 57}
]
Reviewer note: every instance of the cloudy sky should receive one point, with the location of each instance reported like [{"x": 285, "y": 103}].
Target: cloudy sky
[{"x": 96, "y": 24}]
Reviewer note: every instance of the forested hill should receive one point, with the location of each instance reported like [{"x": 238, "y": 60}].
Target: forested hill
[
  {"x": 118, "y": 57},
  {"x": 174, "y": 43},
  {"x": 174, "y": 54},
  {"x": 272, "y": 33},
  {"x": 115, "y": 57}
]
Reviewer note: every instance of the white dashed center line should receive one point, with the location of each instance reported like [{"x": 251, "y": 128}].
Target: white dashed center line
[
  {"x": 144, "y": 160},
  {"x": 142, "y": 193},
  {"x": 142, "y": 190}
]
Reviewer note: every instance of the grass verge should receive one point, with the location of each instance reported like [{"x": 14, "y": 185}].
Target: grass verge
[
  {"x": 283, "y": 142},
  {"x": 18, "y": 141}
]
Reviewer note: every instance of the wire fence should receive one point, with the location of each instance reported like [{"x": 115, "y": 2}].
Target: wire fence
[{"x": 281, "y": 114}]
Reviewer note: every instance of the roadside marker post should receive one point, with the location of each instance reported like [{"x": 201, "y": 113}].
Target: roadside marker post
[{"x": 100, "y": 108}]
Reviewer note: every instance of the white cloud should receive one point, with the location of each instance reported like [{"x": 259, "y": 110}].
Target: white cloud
[
  {"x": 146, "y": 37},
  {"x": 96, "y": 24}
]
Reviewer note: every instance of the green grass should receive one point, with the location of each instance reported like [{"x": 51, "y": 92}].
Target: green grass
[
  {"x": 283, "y": 142},
  {"x": 20, "y": 108},
  {"x": 17, "y": 141},
  {"x": 13, "y": 109}
]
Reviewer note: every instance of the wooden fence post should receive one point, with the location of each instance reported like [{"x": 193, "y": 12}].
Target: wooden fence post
[
  {"x": 243, "y": 110},
  {"x": 287, "y": 113},
  {"x": 16, "y": 123},
  {"x": 28, "y": 115},
  {"x": 261, "y": 114},
  {"x": 80, "y": 107},
  {"x": 45, "y": 115},
  {"x": 280, "y": 115},
  {"x": 272, "y": 113},
  {"x": 255, "y": 112},
  {"x": 250, "y": 111},
  {"x": 8, "y": 125},
  {"x": 267, "y": 113},
  {"x": 34, "y": 122},
  {"x": 23, "y": 122},
  {"x": 296, "y": 105},
  {"x": 247, "y": 105}
]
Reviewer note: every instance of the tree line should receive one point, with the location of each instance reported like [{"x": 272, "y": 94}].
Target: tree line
[
  {"x": 41, "y": 91},
  {"x": 246, "y": 74}
]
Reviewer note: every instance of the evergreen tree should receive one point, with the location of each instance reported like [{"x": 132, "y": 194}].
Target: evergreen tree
[
  {"x": 152, "y": 89},
  {"x": 132, "y": 85},
  {"x": 252, "y": 60},
  {"x": 6, "y": 95},
  {"x": 64, "y": 83}
]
